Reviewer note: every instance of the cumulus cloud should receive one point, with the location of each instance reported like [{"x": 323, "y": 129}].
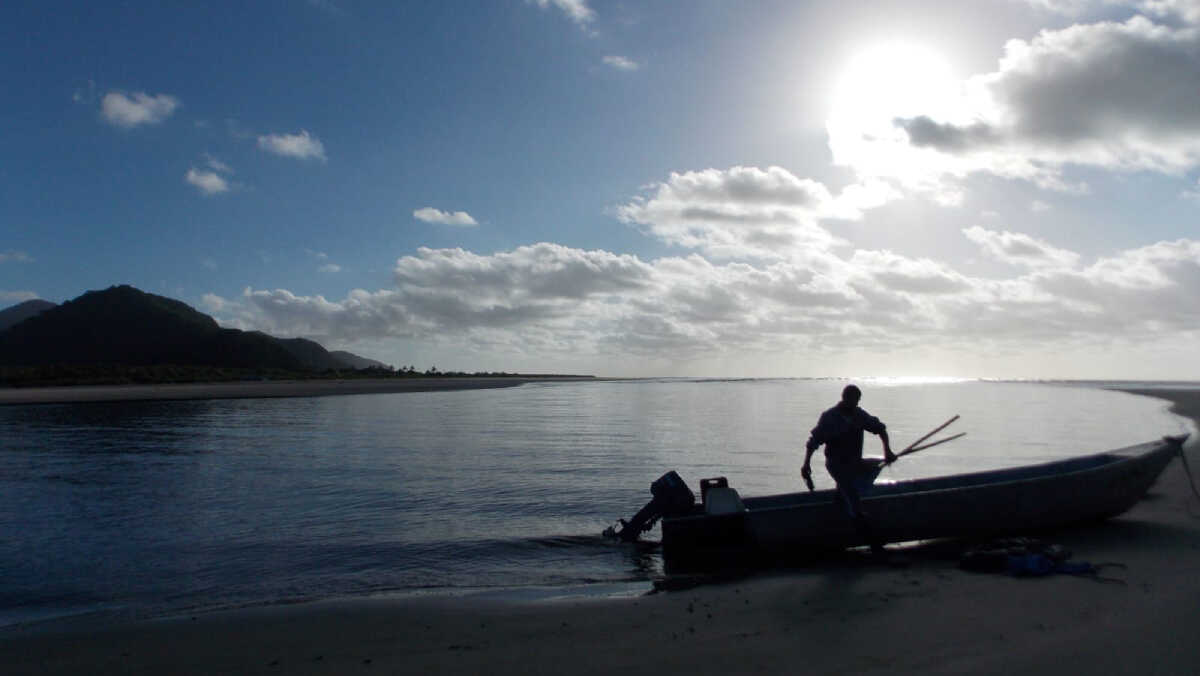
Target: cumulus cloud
[
  {"x": 212, "y": 302},
  {"x": 897, "y": 273},
  {"x": 621, "y": 62},
  {"x": 432, "y": 215},
  {"x": 302, "y": 146},
  {"x": 451, "y": 291},
  {"x": 210, "y": 181},
  {"x": 207, "y": 182},
  {"x": 547, "y": 299},
  {"x": 576, "y": 10},
  {"x": 1020, "y": 249},
  {"x": 747, "y": 211},
  {"x": 1181, "y": 10},
  {"x": 792, "y": 287},
  {"x": 1113, "y": 95},
  {"x": 1138, "y": 292},
  {"x": 138, "y": 108}
]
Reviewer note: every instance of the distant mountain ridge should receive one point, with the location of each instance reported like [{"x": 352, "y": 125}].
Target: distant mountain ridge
[
  {"x": 18, "y": 313},
  {"x": 356, "y": 361},
  {"x": 126, "y": 326}
]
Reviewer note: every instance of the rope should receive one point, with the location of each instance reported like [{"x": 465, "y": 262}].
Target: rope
[
  {"x": 1191, "y": 482},
  {"x": 1188, "y": 470}
]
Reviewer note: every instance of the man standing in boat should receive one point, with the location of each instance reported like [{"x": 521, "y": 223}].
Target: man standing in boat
[{"x": 841, "y": 429}]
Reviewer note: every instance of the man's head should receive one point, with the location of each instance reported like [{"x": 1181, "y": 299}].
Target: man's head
[{"x": 850, "y": 396}]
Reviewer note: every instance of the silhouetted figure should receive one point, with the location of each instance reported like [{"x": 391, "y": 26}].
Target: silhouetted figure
[{"x": 841, "y": 429}]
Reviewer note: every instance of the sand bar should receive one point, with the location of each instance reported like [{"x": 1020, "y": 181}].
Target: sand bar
[
  {"x": 859, "y": 618},
  {"x": 263, "y": 389}
]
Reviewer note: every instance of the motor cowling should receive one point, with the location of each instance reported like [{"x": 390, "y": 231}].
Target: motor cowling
[
  {"x": 672, "y": 497},
  {"x": 672, "y": 494}
]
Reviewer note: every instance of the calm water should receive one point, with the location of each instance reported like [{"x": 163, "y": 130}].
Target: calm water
[{"x": 158, "y": 507}]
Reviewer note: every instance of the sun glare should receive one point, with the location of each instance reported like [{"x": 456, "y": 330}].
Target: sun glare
[
  {"x": 886, "y": 81},
  {"x": 890, "y": 80}
]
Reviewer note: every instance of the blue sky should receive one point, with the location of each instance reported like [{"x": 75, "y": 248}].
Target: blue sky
[{"x": 995, "y": 189}]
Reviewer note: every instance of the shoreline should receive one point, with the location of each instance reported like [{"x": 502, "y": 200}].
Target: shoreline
[
  {"x": 78, "y": 394},
  {"x": 853, "y": 617}
]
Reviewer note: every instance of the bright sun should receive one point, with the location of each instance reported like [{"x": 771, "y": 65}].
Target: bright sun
[{"x": 890, "y": 80}]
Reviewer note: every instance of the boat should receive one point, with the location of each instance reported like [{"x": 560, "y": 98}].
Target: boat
[{"x": 1018, "y": 500}]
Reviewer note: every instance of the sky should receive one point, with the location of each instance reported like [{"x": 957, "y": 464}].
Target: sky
[{"x": 991, "y": 188}]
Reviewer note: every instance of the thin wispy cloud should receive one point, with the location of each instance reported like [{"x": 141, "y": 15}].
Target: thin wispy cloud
[
  {"x": 576, "y": 10},
  {"x": 621, "y": 63},
  {"x": 17, "y": 296},
  {"x": 1192, "y": 193},
  {"x": 13, "y": 256},
  {"x": 303, "y": 146},
  {"x": 85, "y": 95},
  {"x": 136, "y": 109},
  {"x": 216, "y": 164},
  {"x": 432, "y": 215}
]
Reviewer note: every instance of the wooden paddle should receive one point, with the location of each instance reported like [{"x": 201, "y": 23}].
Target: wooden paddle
[
  {"x": 929, "y": 445},
  {"x": 916, "y": 445},
  {"x": 913, "y": 446}
]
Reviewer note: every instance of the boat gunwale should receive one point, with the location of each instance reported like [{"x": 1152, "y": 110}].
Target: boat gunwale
[{"x": 1115, "y": 458}]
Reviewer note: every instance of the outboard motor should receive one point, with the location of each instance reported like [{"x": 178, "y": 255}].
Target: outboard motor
[{"x": 672, "y": 497}]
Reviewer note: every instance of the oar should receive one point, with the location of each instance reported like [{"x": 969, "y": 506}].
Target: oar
[
  {"x": 929, "y": 445},
  {"x": 939, "y": 428},
  {"x": 915, "y": 446}
]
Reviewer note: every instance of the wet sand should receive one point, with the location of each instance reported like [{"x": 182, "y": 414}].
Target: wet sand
[
  {"x": 853, "y": 617},
  {"x": 263, "y": 389}
]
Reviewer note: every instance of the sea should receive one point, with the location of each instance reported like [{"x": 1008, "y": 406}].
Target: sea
[{"x": 144, "y": 509}]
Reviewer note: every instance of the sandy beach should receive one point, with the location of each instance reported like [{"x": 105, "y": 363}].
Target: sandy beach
[
  {"x": 849, "y": 616},
  {"x": 262, "y": 389}
]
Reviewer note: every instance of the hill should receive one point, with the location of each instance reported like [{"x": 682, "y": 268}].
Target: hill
[
  {"x": 313, "y": 356},
  {"x": 356, "y": 362},
  {"x": 122, "y": 327},
  {"x": 21, "y": 311}
]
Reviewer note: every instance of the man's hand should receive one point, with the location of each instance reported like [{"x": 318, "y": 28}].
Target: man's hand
[
  {"x": 806, "y": 474},
  {"x": 888, "y": 456}
]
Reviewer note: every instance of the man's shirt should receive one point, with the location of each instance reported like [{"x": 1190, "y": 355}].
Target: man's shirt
[{"x": 841, "y": 431}]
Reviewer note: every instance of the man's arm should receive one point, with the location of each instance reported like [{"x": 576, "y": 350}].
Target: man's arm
[
  {"x": 875, "y": 426},
  {"x": 888, "y": 456},
  {"x": 815, "y": 439},
  {"x": 806, "y": 470},
  {"x": 809, "y": 449}
]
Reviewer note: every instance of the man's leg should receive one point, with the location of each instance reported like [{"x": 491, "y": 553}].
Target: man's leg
[{"x": 848, "y": 492}]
